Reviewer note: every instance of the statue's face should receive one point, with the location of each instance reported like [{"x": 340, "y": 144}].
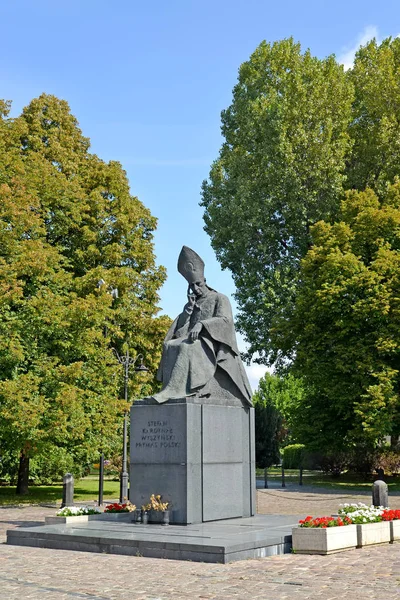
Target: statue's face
[{"x": 199, "y": 288}]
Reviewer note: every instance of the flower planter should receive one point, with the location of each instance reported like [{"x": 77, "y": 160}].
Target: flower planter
[
  {"x": 373, "y": 533},
  {"x": 122, "y": 516},
  {"x": 310, "y": 540},
  {"x": 395, "y": 530}
]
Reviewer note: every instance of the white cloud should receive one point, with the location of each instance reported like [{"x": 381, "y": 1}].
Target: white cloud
[
  {"x": 254, "y": 370},
  {"x": 348, "y": 54},
  {"x": 254, "y": 373}
]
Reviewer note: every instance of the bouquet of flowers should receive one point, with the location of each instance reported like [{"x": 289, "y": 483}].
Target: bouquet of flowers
[
  {"x": 361, "y": 513},
  {"x": 117, "y": 507},
  {"x": 156, "y": 504},
  {"x": 77, "y": 511},
  {"x": 323, "y": 522}
]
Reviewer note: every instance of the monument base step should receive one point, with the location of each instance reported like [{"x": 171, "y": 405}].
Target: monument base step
[{"x": 214, "y": 542}]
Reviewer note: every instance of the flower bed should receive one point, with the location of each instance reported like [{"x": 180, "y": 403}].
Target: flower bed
[
  {"x": 117, "y": 507},
  {"x": 361, "y": 514},
  {"x": 372, "y": 525},
  {"x": 324, "y": 535},
  {"x": 73, "y": 514},
  {"x": 77, "y": 511},
  {"x": 323, "y": 522},
  {"x": 373, "y": 533},
  {"x": 395, "y": 530},
  {"x": 393, "y": 516},
  {"x": 83, "y": 514},
  {"x": 373, "y": 522}
]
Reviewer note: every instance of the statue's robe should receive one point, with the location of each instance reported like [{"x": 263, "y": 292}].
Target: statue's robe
[{"x": 198, "y": 367}]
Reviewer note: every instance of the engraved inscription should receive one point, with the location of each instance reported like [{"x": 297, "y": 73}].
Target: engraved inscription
[{"x": 158, "y": 434}]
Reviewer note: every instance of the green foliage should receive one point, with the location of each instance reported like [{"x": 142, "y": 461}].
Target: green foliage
[
  {"x": 389, "y": 461},
  {"x": 273, "y": 403},
  {"x": 334, "y": 462},
  {"x": 85, "y": 490},
  {"x": 268, "y": 422},
  {"x": 9, "y": 462},
  {"x": 67, "y": 221},
  {"x": 375, "y": 127},
  {"x": 293, "y": 456},
  {"x": 346, "y": 325},
  {"x": 44, "y": 469},
  {"x": 279, "y": 171},
  {"x": 298, "y": 133}
]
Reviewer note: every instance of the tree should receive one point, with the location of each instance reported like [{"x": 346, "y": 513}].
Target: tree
[
  {"x": 298, "y": 133},
  {"x": 68, "y": 222},
  {"x": 346, "y": 325},
  {"x": 274, "y": 403},
  {"x": 280, "y": 170},
  {"x": 375, "y": 124}
]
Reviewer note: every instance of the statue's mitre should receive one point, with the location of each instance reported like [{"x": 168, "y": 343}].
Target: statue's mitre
[{"x": 190, "y": 265}]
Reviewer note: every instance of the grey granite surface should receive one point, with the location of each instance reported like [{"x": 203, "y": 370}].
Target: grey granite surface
[
  {"x": 199, "y": 457},
  {"x": 219, "y": 541}
]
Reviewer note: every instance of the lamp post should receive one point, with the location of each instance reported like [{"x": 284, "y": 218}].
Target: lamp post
[
  {"x": 113, "y": 291},
  {"x": 127, "y": 362}
]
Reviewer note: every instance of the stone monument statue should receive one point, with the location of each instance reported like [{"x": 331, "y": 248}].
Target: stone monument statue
[
  {"x": 200, "y": 354},
  {"x": 193, "y": 442}
]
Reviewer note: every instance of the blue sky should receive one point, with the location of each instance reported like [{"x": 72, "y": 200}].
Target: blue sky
[{"x": 147, "y": 82}]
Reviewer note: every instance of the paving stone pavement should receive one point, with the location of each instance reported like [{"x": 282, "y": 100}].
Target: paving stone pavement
[{"x": 33, "y": 573}]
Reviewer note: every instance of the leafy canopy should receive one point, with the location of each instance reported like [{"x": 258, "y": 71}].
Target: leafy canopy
[
  {"x": 275, "y": 401},
  {"x": 375, "y": 124},
  {"x": 299, "y": 132},
  {"x": 279, "y": 171},
  {"x": 346, "y": 324},
  {"x": 68, "y": 221}
]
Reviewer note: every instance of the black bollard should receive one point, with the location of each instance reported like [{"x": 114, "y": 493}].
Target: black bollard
[
  {"x": 68, "y": 490},
  {"x": 265, "y": 478},
  {"x": 101, "y": 479},
  {"x": 283, "y": 476},
  {"x": 380, "y": 496}
]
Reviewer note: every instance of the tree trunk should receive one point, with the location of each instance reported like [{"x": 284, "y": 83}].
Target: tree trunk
[{"x": 23, "y": 474}]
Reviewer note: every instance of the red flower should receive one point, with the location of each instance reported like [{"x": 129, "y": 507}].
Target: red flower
[{"x": 324, "y": 522}]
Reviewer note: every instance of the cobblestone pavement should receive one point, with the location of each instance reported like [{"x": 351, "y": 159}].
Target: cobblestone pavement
[{"x": 30, "y": 573}]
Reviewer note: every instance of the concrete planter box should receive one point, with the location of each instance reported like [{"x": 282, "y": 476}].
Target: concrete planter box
[
  {"x": 125, "y": 516},
  {"x": 373, "y": 533},
  {"x": 395, "y": 530},
  {"x": 310, "y": 540}
]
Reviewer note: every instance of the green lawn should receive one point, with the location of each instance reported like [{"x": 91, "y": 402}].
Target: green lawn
[
  {"x": 86, "y": 490},
  {"x": 345, "y": 482}
]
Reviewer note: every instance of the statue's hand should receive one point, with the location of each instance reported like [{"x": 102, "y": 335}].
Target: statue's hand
[
  {"x": 191, "y": 300},
  {"x": 188, "y": 308},
  {"x": 194, "y": 334}
]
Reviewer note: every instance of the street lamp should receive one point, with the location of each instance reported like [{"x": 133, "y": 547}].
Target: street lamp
[
  {"x": 127, "y": 362},
  {"x": 113, "y": 291}
]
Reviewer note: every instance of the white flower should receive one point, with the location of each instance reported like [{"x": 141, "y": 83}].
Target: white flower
[{"x": 74, "y": 511}]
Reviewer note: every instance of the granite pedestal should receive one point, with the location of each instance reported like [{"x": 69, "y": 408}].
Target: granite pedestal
[
  {"x": 199, "y": 455},
  {"x": 213, "y": 542}
]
